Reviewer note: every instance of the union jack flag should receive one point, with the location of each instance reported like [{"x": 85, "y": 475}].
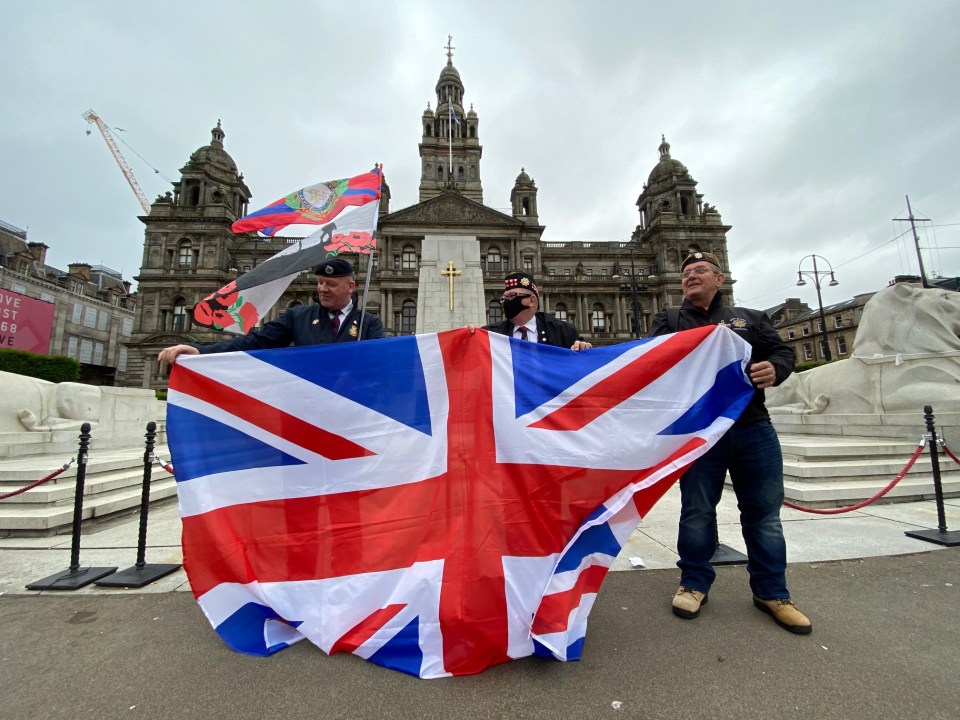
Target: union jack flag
[{"x": 436, "y": 504}]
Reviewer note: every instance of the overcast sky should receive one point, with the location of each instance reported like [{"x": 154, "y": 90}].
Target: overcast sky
[{"x": 805, "y": 124}]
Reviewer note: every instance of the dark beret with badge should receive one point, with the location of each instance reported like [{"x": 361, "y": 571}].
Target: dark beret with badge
[
  {"x": 698, "y": 256},
  {"x": 521, "y": 280},
  {"x": 334, "y": 267}
]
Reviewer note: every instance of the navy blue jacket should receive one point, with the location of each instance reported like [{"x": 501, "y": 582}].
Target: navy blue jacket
[
  {"x": 550, "y": 331},
  {"x": 300, "y": 325}
]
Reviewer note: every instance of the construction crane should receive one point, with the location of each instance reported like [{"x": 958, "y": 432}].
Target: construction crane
[{"x": 91, "y": 117}]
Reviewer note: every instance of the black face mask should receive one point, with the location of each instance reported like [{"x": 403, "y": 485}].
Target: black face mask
[{"x": 514, "y": 306}]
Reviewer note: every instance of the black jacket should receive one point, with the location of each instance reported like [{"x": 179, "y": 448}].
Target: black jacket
[
  {"x": 752, "y": 325},
  {"x": 300, "y": 325},
  {"x": 550, "y": 331}
]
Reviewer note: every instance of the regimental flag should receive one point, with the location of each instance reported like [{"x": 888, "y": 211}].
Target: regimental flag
[
  {"x": 239, "y": 305},
  {"x": 313, "y": 205},
  {"x": 436, "y": 504}
]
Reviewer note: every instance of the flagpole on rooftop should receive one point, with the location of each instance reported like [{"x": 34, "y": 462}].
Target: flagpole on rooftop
[{"x": 450, "y": 138}]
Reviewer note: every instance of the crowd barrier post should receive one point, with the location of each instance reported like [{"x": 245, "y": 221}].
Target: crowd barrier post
[
  {"x": 940, "y": 536},
  {"x": 75, "y": 577},
  {"x": 141, "y": 573}
]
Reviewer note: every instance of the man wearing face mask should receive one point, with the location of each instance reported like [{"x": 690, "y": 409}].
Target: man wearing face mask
[{"x": 521, "y": 305}]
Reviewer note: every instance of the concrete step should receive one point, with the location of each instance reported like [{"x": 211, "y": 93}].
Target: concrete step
[
  {"x": 113, "y": 484},
  {"x": 844, "y": 492},
  {"x": 54, "y": 519}
]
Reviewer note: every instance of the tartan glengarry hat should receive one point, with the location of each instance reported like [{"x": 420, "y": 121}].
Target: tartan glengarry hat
[
  {"x": 698, "y": 256},
  {"x": 334, "y": 267},
  {"x": 521, "y": 280}
]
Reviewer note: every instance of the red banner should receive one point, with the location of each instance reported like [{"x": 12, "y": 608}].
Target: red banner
[{"x": 25, "y": 322}]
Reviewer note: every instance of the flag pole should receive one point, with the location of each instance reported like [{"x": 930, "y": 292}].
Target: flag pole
[{"x": 373, "y": 250}]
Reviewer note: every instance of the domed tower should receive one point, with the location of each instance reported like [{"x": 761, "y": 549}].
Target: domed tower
[
  {"x": 674, "y": 221},
  {"x": 189, "y": 251},
  {"x": 450, "y": 148},
  {"x": 523, "y": 198}
]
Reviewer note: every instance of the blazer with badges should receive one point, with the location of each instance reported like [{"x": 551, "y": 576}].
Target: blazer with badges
[
  {"x": 550, "y": 331},
  {"x": 300, "y": 325},
  {"x": 754, "y": 326}
]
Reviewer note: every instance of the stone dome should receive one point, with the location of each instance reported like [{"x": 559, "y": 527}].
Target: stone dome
[
  {"x": 214, "y": 154},
  {"x": 523, "y": 178},
  {"x": 667, "y": 167}
]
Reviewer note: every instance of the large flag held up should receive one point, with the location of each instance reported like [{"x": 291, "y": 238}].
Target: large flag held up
[
  {"x": 239, "y": 305},
  {"x": 436, "y": 504},
  {"x": 313, "y": 205}
]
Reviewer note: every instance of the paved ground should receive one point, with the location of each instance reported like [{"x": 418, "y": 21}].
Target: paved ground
[{"x": 884, "y": 645}]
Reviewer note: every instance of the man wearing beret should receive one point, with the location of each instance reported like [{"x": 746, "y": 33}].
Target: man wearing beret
[
  {"x": 749, "y": 450},
  {"x": 521, "y": 302},
  {"x": 335, "y": 319}
]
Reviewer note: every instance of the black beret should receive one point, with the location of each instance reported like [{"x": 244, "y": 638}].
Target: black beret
[
  {"x": 334, "y": 267},
  {"x": 520, "y": 280},
  {"x": 698, "y": 256}
]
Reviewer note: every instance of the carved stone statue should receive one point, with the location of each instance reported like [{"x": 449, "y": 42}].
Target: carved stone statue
[{"x": 906, "y": 355}]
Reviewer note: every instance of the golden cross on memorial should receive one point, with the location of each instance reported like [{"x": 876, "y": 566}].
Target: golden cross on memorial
[{"x": 450, "y": 273}]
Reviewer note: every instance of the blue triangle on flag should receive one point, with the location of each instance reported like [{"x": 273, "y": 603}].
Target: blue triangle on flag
[
  {"x": 725, "y": 398},
  {"x": 235, "y": 449},
  {"x": 402, "y": 652},
  {"x": 541, "y": 372},
  {"x": 401, "y": 396},
  {"x": 243, "y": 631}
]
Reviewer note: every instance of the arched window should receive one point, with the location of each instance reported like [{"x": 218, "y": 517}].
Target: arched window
[
  {"x": 440, "y": 172},
  {"x": 427, "y": 129},
  {"x": 185, "y": 255},
  {"x": 409, "y": 258},
  {"x": 683, "y": 205},
  {"x": 195, "y": 195},
  {"x": 598, "y": 319},
  {"x": 179, "y": 316},
  {"x": 408, "y": 317},
  {"x": 494, "y": 312},
  {"x": 473, "y": 131},
  {"x": 460, "y": 173},
  {"x": 494, "y": 260},
  {"x": 560, "y": 310},
  {"x": 692, "y": 248},
  {"x": 526, "y": 206}
]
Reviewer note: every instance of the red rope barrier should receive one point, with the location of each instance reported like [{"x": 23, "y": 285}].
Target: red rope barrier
[
  {"x": 863, "y": 503},
  {"x": 165, "y": 465},
  {"x": 39, "y": 482},
  {"x": 947, "y": 451}
]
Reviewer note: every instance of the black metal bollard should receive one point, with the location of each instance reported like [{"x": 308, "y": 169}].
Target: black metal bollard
[
  {"x": 940, "y": 536},
  {"x": 75, "y": 577},
  {"x": 141, "y": 574}
]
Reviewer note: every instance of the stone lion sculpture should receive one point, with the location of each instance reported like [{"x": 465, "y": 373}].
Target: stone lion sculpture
[{"x": 906, "y": 355}]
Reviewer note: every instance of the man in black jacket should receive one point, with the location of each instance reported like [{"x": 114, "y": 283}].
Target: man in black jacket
[
  {"x": 749, "y": 450},
  {"x": 335, "y": 319},
  {"x": 521, "y": 302}
]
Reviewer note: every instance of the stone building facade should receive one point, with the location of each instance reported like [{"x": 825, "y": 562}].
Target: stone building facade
[
  {"x": 608, "y": 288},
  {"x": 94, "y": 308},
  {"x": 800, "y": 328}
]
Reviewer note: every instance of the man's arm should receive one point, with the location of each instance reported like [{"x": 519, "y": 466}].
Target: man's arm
[{"x": 768, "y": 346}]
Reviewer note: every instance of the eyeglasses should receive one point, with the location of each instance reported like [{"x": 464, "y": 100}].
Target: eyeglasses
[
  {"x": 512, "y": 295},
  {"x": 698, "y": 270}
]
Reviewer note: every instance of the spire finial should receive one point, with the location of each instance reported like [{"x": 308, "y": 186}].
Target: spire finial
[{"x": 450, "y": 48}]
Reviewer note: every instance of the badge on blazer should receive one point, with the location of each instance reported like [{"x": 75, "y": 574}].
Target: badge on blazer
[
  {"x": 315, "y": 322},
  {"x": 353, "y": 329},
  {"x": 738, "y": 323}
]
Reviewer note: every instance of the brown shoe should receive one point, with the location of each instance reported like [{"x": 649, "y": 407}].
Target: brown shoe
[
  {"x": 687, "y": 602},
  {"x": 785, "y": 614}
]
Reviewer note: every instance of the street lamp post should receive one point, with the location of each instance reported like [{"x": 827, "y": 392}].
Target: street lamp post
[
  {"x": 815, "y": 275},
  {"x": 634, "y": 288}
]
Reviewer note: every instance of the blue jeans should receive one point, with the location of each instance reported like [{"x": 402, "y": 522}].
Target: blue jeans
[{"x": 752, "y": 455}]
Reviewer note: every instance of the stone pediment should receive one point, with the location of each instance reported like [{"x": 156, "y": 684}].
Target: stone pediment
[{"x": 450, "y": 208}]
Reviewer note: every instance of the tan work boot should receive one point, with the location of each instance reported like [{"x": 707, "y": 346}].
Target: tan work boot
[
  {"x": 785, "y": 614},
  {"x": 687, "y": 602}
]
